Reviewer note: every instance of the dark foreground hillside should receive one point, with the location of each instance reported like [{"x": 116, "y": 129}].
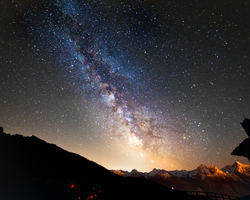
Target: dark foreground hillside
[{"x": 32, "y": 169}]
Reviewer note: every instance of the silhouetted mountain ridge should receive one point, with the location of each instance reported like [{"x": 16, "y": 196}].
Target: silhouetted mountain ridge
[{"x": 34, "y": 169}]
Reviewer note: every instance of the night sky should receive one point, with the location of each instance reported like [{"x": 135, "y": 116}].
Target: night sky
[{"x": 129, "y": 84}]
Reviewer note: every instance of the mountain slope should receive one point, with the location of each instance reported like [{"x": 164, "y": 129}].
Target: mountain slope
[{"x": 33, "y": 169}]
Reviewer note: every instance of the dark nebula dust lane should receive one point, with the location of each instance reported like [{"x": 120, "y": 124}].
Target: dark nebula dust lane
[{"x": 128, "y": 84}]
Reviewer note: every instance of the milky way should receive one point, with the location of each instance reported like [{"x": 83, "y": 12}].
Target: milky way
[
  {"x": 128, "y": 84},
  {"x": 117, "y": 90}
]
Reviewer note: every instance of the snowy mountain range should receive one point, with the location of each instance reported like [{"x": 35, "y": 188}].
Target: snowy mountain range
[{"x": 232, "y": 179}]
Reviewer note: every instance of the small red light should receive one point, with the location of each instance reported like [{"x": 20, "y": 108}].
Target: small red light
[{"x": 91, "y": 197}]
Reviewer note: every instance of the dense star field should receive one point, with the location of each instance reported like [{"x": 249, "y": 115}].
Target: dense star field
[{"x": 128, "y": 84}]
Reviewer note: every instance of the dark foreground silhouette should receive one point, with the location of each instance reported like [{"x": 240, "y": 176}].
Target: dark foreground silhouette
[
  {"x": 32, "y": 169},
  {"x": 244, "y": 148}
]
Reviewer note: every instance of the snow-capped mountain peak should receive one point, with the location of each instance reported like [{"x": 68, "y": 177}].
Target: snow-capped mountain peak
[
  {"x": 153, "y": 172},
  {"x": 237, "y": 168},
  {"x": 158, "y": 172},
  {"x": 203, "y": 169}
]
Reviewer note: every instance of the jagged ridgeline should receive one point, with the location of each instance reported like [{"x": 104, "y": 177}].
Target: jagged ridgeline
[
  {"x": 33, "y": 169},
  {"x": 231, "y": 180}
]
